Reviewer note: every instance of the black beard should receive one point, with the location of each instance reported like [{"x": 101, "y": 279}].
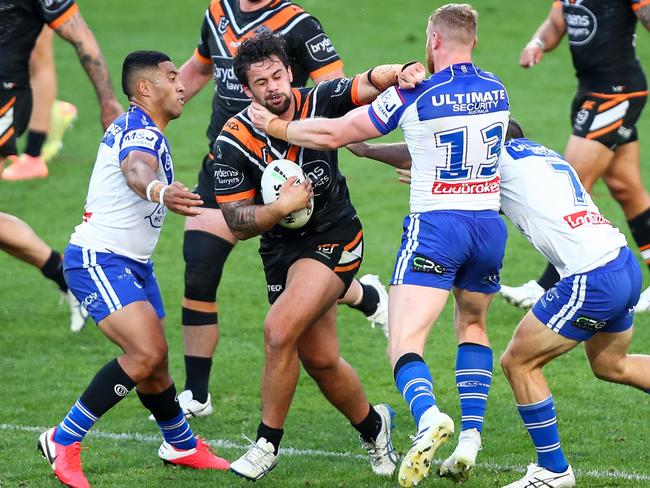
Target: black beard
[{"x": 281, "y": 109}]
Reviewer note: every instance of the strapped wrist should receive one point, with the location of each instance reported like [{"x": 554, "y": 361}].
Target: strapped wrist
[
  {"x": 278, "y": 128},
  {"x": 148, "y": 191},
  {"x": 161, "y": 196},
  {"x": 537, "y": 42}
]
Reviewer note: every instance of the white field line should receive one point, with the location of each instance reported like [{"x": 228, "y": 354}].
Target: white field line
[{"x": 290, "y": 451}]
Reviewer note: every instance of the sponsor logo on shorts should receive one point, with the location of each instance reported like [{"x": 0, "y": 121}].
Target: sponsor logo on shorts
[
  {"x": 466, "y": 188},
  {"x": 492, "y": 279},
  {"x": 90, "y": 301},
  {"x": 226, "y": 177},
  {"x": 624, "y": 132},
  {"x": 550, "y": 295},
  {"x": 326, "y": 249},
  {"x": 586, "y": 323},
  {"x": 120, "y": 390},
  {"x": 581, "y": 117},
  {"x": 583, "y": 217},
  {"x": 423, "y": 264},
  {"x": 274, "y": 288},
  {"x": 320, "y": 48}
]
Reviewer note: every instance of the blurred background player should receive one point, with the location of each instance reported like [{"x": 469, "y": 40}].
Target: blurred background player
[
  {"x": 454, "y": 125},
  {"x": 18, "y": 239},
  {"x": 593, "y": 302},
  {"x": 21, "y": 24},
  {"x": 50, "y": 117},
  {"x": 108, "y": 267},
  {"x": 612, "y": 91},
  {"x": 207, "y": 240}
]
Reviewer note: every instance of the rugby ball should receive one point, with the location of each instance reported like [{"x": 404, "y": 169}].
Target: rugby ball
[{"x": 274, "y": 176}]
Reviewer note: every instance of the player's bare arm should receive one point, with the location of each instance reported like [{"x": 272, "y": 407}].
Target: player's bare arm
[
  {"x": 246, "y": 219},
  {"x": 139, "y": 168},
  {"x": 546, "y": 38},
  {"x": 394, "y": 154},
  {"x": 194, "y": 75},
  {"x": 374, "y": 81},
  {"x": 76, "y": 31},
  {"x": 643, "y": 14}
]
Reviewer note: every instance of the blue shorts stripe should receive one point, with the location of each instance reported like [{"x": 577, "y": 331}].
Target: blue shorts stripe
[
  {"x": 407, "y": 252},
  {"x": 88, "y": 264}
]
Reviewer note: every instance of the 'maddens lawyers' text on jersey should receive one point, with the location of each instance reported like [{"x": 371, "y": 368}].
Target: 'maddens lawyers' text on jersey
[
  {"x": 542, "y": 195},
  {"x": 242, "y": 152},
  {"x": 116, "y": 219},
  {"x": 21, "y": 21},
  {"x": 453, "y": 124},
  {"x": 601, "y": 37},
  {"x": 225, "y": 26}
]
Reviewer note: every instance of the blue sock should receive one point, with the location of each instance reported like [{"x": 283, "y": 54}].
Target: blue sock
[
  {"x": 414, "y": 382},
  {"x": 473, "y": 378},
  {"x": 75, "y": 425},
  {"x": 177, "y": 432},
  {"x": 541, "y": 423}
]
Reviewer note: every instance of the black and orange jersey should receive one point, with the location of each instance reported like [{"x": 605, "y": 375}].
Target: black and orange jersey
[
  {"x": 601, "y": 37},
  {"x": 225, "y": 26},
  {"x": 242, "y": 152},
  {"x": 21, "y": 22}
]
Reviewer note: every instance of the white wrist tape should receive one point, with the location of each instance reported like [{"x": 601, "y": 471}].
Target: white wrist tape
[
  {"x": 162, "y": 194},
  {"x": 150, "y": 187}
]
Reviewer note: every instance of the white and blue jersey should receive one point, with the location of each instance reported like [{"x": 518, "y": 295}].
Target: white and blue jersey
[
  {"x": 454, "y": 124},
  {"x": 116, "y": 219},
  {"x": 601, "y": 280},
  {"x": 107, "y": 264}
]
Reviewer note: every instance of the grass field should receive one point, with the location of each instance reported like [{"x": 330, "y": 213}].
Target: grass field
[{"x": 43, "y": 367}]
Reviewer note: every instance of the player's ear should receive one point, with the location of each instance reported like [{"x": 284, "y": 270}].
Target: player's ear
[
  {"x": 290, "y": 74},
  {"x": 475, "y": 42},
  {"x": 247, "y": 91},
  {"x": 142, "y": 87}
]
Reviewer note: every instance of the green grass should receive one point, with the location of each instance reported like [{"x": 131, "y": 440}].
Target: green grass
[{"x": 44, "y": 368}]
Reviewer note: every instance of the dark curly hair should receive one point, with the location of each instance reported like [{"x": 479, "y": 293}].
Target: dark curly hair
[{"x": 255, "y": 50}]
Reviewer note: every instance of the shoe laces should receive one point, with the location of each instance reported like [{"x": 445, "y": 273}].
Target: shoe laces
[{"x": 255, "y": 453}]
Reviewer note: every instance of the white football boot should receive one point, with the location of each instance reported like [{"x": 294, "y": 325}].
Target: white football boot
[
  {"x": 383, "y": 457},
  {"x": 524, "y": 296},
  {"x": 380, "y": 317},
  {"x": 257, "y": 461},
  {"x": 192, "y": 407},
  {"x": 536, "y": 477},
  {"x": 460, "y": 464},
  {"x": 434, "y": 430},
  {"x": 643, "y": 305},
  {"x": 78, "y": 314}
]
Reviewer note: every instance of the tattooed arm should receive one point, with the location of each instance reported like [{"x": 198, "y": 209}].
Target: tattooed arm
[
  {"x": 246, "y": 219},
  {"x": 643, "y": 14},
  {"x": 76, "y": 31}
]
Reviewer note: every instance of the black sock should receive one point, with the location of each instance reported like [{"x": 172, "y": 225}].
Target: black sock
[
  {"x": 274, "y": 436},
  {"x": 197, "y": 376},
  {"x": 369, "y": 427},
  {"x": 369, "y": 300},
  {"x": 640, "y": 227},
  {"x": 53, "y": 270},
  {"x": 549, "y": 278},
  {"x": 163, "y": 405},
  {"x": 107, "y": 388},
  {"x": 35, "y": 141}
]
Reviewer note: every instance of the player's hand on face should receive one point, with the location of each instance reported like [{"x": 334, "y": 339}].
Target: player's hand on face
[
  {"x": 294, "y": 196},
  {"x": 260, "y": 116},
  {"x": 404, "y": 175},
  {"x": 109, "y": 111},
  {"x": 531, "y": 55},
  {"x": 179, "y": 199},
  {"x": 411, "y": 75}
]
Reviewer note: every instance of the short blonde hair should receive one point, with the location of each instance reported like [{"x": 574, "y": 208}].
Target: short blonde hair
[{"x": 458, "y": 21}]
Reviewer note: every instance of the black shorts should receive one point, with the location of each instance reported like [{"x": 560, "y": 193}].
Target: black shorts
[
  {"x": 340, "y": 248},
  {"x": 15, "y": 111},
  {"x": 205, "y": 186},
  {"x": 609, "y": 118}
]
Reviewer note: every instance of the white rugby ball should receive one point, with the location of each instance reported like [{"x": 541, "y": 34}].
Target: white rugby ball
[{"x": 274, "y": 176}]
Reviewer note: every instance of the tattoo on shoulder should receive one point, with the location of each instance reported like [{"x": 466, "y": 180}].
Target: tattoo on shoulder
[{"x": 241, "y": 216}]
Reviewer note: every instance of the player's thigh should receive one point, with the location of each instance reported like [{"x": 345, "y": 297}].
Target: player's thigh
[
  {"x": 311, "y": 290},
  {"x": 624, "y": 181},
  {"x": 606, "y": 351},
  {"x": 412, "y": 311},
  {"x": 210, "y": 220},
  {"x": 318, "y": 346},
  {"x": 533, "y": 345},
  {"x": 15, "y": 111},
  {"x": 589, "y": 158}
]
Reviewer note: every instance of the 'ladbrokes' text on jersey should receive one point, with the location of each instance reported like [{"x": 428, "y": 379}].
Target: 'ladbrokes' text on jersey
[
  {"x": 454, "y": 123},
  {"x": 116, "y": 219},
  {"x": 21, "y": 22},
  {"x": 542, "y": 195},
  {"x": 242, "y": 152},
  {"x": 225, "y": 26},
  {"x": 601, "y": 37}
]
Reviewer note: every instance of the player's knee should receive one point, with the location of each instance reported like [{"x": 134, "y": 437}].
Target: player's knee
[
  {"x": 150, "y": 358},
  {"x": 278, "y": 335},
  {"x": 607, "y": 368},
  {"x": 205, "y": 255},
  {"x": 510, "y": 365},
  {"x": 319, "y": 363}
]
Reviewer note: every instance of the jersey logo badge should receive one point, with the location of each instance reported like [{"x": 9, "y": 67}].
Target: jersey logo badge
[{"x": 223, "y": 25}]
